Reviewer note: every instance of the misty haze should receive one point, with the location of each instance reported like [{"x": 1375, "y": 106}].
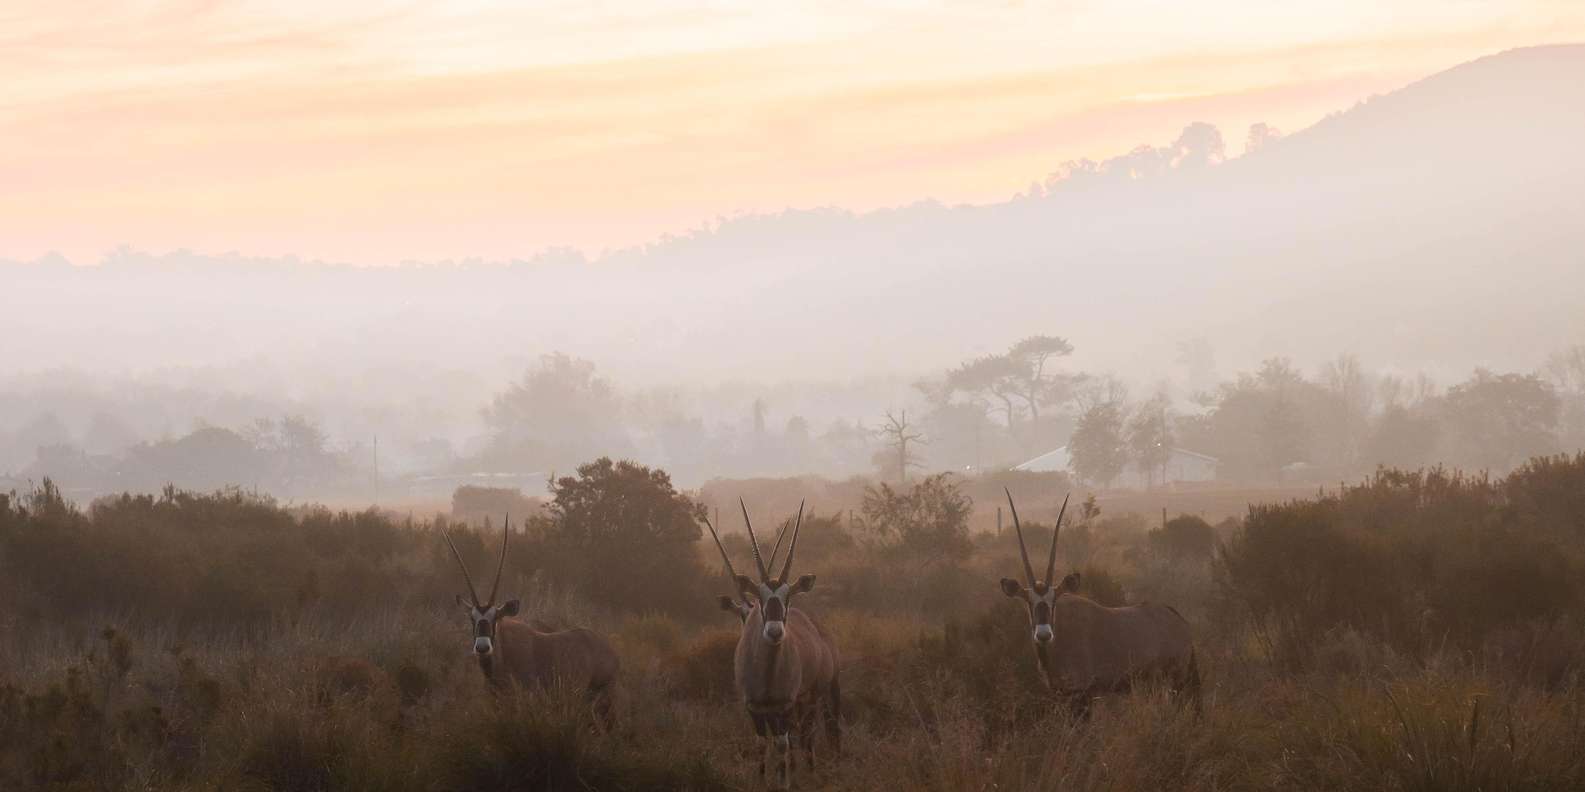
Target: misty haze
[{"x": 1119, "y": 399}]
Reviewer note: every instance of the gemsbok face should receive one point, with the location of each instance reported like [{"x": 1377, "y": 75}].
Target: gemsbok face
[
  {"x": 785, "y": 664},
  {"x": 1040, "y": 596},
  {"x": 1085, "y": 649},
  {"x": 511, "y": 651}
]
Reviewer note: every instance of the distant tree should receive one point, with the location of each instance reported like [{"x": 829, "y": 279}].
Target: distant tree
[
  {"x": 44, "y": 429},
  {"x": 1198, "y": 146},
  {"x": 898, "y": 456},
  {"x": 1260, "y": 136},
  {"x": 108, "y": 434},
  {"x": 1198, "y": 360},
  {"x": 1352, "y": 398},
  {"x": 993, "y": 380},
  {"x": 621, "y": 533},
  {"x": 1498, "y": 420},
  {"x": 1259, "y": 423},
  {"x": 1282, "y": 435},
  {"x": 560, "y": 412},
  {"x": 797, "y": 430},
  {"x": 926, "y": 522},
  {"x": 1097, "y": 390},
  {"x": 208, "y": 459},
  {"x": 1566, "y": 371},
  {"x": 1150, "y": 438},
  {"x": 1036, "y": 383},
  {"x": 1402, "y": 437},
  {"x": 1097, "y": 449}
]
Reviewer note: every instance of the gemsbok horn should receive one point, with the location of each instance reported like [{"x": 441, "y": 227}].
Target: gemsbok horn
[
  {"x": 785, "y": 665},
  {"x": 742, "y": 607},
  {"x": 1086, "y": 649},
  {"x": 510, "y": 650}
]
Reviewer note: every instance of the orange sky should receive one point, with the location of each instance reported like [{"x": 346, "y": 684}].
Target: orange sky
[{"x": 379, "y": 132}]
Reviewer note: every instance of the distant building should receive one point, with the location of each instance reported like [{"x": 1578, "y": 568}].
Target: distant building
[{"x": 1183, "y": 465}]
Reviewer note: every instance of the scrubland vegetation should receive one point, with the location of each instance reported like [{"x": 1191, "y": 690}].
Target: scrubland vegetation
[{"x": 1418, "y": 631}]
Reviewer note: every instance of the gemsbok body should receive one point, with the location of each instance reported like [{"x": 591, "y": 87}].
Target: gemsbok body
[
  {"x": 1086, "y": 649},
  {"x": 510, "y": 651},
  {"x": 785, "y": 665}
]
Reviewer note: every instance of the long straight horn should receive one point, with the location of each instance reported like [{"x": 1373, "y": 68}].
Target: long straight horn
[
  {"x": 473, "y": 593},
  {"x": 793, "y": 545},
  {"x": 764, "y": 576},
  {"x": 731, "y": 573},
  {"x": 1029, "y": 570},
  {"x": 1051, "y": 563},
  {"x": 500, "y": 563},
  {"x": 781, "y": 533}
]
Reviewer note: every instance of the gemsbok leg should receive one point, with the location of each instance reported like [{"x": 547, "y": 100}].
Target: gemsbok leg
[
  {"x": 782, "y": 745},
  {"x": 833, "y": 717},
  {"x": 807, "y": 714}
]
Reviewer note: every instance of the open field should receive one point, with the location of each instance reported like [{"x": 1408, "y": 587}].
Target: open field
[{"x": 173, "y": 643}]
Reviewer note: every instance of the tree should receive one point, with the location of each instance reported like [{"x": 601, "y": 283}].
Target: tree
[
  {"x": 987, "y": 378},
  {"x": 1259, "y": 423},
  {"x": 1498, "y": 420},
  {"x": 558, "y": 414},
  {"x": 1261, "y": 135},
  {"x": 1566, "y": 371},
  {"x": 927, "y": 522},
  {"x": 1035, "y": 384},
  {"x": 1281, "y": 436},
  {"x": 1402, "y": 437},
  {"x": 1351, "y": 401},
  {"x": 1096, "y": 450},
  {"x": 1021, "y": 377},
  {"x": 1150, "y": 438},
  {"x": 625, "y": 536},
  {"x": 896, "y": 459}
]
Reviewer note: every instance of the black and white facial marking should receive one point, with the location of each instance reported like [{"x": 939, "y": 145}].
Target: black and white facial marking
[
  {"x": 774, "y": 597},
  {"x": 1039, "y": 601},
  {"x": 484, "y": 618}
]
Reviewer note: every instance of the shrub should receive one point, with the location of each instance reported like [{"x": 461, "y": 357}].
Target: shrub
[
  {"x": 1410, "y": 559},
  {"x": 1185, "y": 537}
]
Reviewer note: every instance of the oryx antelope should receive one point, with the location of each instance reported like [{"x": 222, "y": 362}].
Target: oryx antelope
[
  {"x": 1086, "y": 649},
  {"x": 785, "y": 665},
  {"x": 510, "y": 650}
]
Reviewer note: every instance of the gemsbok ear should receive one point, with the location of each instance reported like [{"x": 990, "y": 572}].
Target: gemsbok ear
[
  {"x": 1070, "y": 584},
  {"x": 509, "y": 608},
  {"x": 804, "y": 584},
  {"x": 726, "y": 603},
  {"x": 1012, "y": 588},
  {"x": 463, "y": 601},
  {"x": 745, "y": 585}
]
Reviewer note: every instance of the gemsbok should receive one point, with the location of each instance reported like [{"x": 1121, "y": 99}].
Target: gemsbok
[
  {"x": 1086, "y": 649},
  {"x": 785, "y": 665},
  {"x": 510, "y": 650}
]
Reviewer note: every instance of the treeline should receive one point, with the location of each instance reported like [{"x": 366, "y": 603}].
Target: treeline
[
  {"x": 1275, "y": 425},
  {"x": 291, "y": 457}
]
